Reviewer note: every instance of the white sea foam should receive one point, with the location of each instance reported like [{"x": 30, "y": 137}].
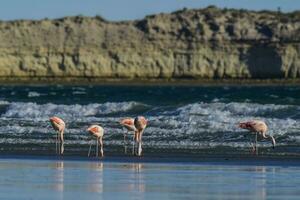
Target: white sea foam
[
  {"x": 33, "y": 94},
  {"x": 4, "y": 102},
  {"x": 79, "y": 92},
  {"x": 241, "y": 109},
  {"x": 223, "y": 117},
  {"x": 34, "y": 110}
]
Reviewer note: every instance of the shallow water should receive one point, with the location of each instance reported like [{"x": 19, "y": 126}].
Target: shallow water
[
  {"x": 55, "y": 179},
  {"x": 182, "y": 119}
]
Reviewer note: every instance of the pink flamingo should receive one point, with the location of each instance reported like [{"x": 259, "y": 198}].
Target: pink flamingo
[
  {"x": 259, "y": 128},
  {"x": 97, "y": 131},
  {"x": 128, "y": 123},
  {"x": 59, "y": 126},
  {"x": 140, "y": 124}
]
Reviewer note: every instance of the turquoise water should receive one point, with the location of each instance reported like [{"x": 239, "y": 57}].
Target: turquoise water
[{"x": 56, "y": 179}]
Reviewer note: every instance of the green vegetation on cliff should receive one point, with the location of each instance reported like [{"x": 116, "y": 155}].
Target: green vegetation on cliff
[{"x": 199, "y": 44}]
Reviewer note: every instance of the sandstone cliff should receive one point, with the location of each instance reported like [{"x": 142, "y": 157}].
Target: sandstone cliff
[{"x": 196, "y": 44}]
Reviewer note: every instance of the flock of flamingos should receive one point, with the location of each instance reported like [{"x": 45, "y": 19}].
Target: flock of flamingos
[{"x": 137, "y": 126}]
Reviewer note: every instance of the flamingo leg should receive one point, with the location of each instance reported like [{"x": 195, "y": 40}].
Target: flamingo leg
[
  {"x": 90, "y": 149},
  {"x": 61, "y": 143},
  {"x": 101, "y": 146},
  {"x": 97, "y": 147},
  {"x": 140, "y": 144},
  {"x": 252, "y": 147},
  {"x": 134, "y": 141},
  {"x": 56, "y": 141},
  {"x": 140, "y": 148},
  {"x": 125, "y": 144},
  {"x": 58, "y": 144},
  {"x": 256, "y": 148}
]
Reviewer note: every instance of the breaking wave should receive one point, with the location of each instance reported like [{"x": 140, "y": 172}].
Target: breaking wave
[{"x": 44, "y": 111}]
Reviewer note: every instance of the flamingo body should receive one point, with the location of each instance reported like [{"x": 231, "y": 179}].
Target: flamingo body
[
  {"x": 98, "y": 132},
  {"x": 128, "y": 123},
  {"x": 254, "y": 126},
  {"x": 257, "y": 127},
  {"x": 59, "y": 125}
]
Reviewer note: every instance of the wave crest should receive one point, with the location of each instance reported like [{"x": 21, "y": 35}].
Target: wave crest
[{"x": 34, "y": 110}]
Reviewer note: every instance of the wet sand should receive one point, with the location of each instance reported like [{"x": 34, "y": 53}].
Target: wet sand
[{"x": 50, "y": 178}]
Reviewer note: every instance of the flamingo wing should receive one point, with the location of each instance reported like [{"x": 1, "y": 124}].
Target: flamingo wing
[
  {"x": 96, "y": 130},
  {"x": 127, "y": 121},
  {"x": 57, "y": 120}
]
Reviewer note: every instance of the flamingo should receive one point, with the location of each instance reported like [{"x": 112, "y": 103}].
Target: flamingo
[
  {"x": 128, "y": 123},
  {"x": 140, "y": 124},
  {"x": 58, "y": 125},
  {"x": 97, "y": 131},
  {"x": 259, "y": 128}
]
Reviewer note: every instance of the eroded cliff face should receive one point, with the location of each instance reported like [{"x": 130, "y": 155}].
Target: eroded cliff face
[{"x": 207, "y": 43}]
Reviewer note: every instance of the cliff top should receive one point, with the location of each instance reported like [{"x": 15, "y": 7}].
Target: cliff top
[{"x": 206, "y": 24}]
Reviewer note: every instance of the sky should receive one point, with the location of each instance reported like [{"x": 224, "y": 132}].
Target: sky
[{"x": 115, "y": 10}]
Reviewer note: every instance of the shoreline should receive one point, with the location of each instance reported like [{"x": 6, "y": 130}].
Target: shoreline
[
  {"x": 236, "y": 160},
  {"x": 146, "y": 82}
]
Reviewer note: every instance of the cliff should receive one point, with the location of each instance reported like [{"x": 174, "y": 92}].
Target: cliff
[{"x": 187, "y": 44}]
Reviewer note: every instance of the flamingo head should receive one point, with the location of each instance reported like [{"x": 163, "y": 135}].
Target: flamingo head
[{"x": 242, "y": 125}]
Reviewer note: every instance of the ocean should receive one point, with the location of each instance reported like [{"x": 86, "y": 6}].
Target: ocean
[{"x": 182, "y": 120}]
